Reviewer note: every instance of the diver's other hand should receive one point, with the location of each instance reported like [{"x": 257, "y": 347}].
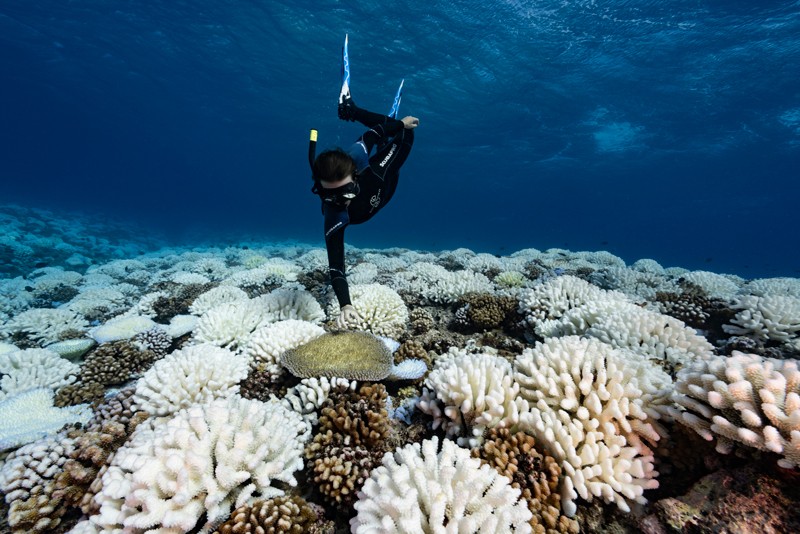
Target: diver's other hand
[
  {"x": 410, "y": 122},
  {"x": 348, "y": 315},
  {"x": 347, "y": 109}
]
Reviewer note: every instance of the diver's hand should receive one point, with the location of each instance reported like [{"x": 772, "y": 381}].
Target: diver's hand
[
  {"x": 347, "y": 109},
  {"x": 410, "y": 122},
  {"x": 348, "y": 315}
]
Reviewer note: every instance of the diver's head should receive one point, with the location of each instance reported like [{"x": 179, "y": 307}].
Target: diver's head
[{"x": 335, "y": 178}]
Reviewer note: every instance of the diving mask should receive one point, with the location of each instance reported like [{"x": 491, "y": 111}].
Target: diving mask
[{"x": 338, "y": 195}]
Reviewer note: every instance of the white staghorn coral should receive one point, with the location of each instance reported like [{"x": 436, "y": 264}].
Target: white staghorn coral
[
  {"x": 773, "y": 318},
  {"x": 34, "y": 368},
  {"x": 265, "y": 345},
  {"x": 552, "y": 299},
  {"x": 380, "y": 307},
  {"x": 469, "y": 393},
  {"x": 592, "y": 406},
  {"x": 422, "y": 488},
  {"x": 189, "y": 473},
  {"x": 192, "y": 375},
  {"x": 743, "y": 399}
]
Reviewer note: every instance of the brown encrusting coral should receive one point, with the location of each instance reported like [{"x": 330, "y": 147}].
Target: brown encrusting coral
[{"x": 535, "y": 473}]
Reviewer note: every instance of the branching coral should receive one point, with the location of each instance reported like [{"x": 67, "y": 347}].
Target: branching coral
[
  {"x": 27, "y": 480},
  {"x": 424, "y": 488},
  {"x": 380, "y": 308},
  {"x": 266, "y": 344},
  {"x": 292, "y": 515},
  {"x": 482, "y": 311},
  {"x": 189, "y": 472},
  {"x": 353, "y": 435},
  {"x": 743, "y": 399},
  {"x": 115, "y": 363},
  {"x": 593, "y": 407},
  {"x": 43, "y": 325},
  {"x": 194, "y": 375},
  {"x": 534, "y": 472},
  {"x": 774, "y": 318},
  {"x": 32, "y": 368},
  {"x": 469, "y": 393}
]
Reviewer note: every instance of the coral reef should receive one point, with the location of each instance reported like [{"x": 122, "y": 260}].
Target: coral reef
[
  {"x": 355, "y": 355},
  {"x": 115, "y": 363},
  {"x": 291, "y": 515}
]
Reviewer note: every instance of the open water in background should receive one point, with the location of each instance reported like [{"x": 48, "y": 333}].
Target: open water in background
[{"x": 660, "y": 129}]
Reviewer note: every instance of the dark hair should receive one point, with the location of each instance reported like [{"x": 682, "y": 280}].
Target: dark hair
[{"x": 333, "y": 165}]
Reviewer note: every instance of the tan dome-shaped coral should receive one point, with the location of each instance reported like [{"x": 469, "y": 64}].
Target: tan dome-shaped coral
[{"x": 354, "y": 355}]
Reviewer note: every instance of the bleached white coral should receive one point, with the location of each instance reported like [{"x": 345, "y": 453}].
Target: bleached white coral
[
  {"x": 553, "y": 298},
  {"x": 34, "y": 368},
  {"x": 639, "y": 284},
  {"x": 229, "y": 325},
  {"x": 307, "y": 397},
  {"x": 121, "y": 327},
  {"x": 510, "y": 279},
  {"x": 425, "y": 488},
  {"x": 484, "y": 263},
  {"x": 284, "y": 303},
  {"x": 363, "y": 273},
  {"x": 467, "y": 394},
  {"x": 93, "y": 300},
  {"x": 189, "y": 473},
  {"x": 44, "y": 325},
  {"x": 215, "y": 297},
  {"x": 188, "y": 278},
  {"x": 774, "y": 317},
  {"x": 265, "y": 345},
  {"x": 716, "y": 285},
  {"x": 744, "y": 399},
  {"x": 192, "y": 375},
  {"x": 381, "y": 309},
  {"x": 647, "y": 332},
  {"x": 454, "y": 285},
  {"x": 763, "y": 287},
  {"x": 593, "y": 407},
  {"x": 30, "y": 415}
]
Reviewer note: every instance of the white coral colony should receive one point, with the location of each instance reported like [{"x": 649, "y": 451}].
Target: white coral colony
[{"x": 422, "y": 488}]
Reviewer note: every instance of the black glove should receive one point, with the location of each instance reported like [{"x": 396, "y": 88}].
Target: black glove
[{"x": 347, "y": 109}]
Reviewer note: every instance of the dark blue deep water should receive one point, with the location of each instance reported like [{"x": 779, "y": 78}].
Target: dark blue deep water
[{"x": 659, "y": 129}]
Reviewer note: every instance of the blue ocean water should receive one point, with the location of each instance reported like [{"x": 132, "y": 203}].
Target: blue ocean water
[{"x": 663, "y": 130}]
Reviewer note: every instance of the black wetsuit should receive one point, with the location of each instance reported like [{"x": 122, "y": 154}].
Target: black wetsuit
[{"x": 377, "y": 178}]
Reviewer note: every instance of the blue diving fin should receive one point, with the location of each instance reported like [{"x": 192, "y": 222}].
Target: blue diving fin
[
  {"x": 396, "y": 105},
  {"x": 345, "y": 93}
]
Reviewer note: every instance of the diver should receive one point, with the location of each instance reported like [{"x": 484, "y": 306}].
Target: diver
[{"x": 355, "y": 184}]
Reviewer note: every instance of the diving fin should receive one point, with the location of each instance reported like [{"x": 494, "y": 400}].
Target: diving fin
[
  {"x": 396, "y": 105},
  {"x": 345, "y": 93}
]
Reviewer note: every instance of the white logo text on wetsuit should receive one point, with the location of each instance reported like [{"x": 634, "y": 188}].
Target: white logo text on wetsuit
[
  {"x": 375, "y": 200},
  {"x": 388, "y": 156}
]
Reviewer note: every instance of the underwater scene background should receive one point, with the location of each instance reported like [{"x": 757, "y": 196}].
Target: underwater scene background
[{"x": 581, "y": 312}]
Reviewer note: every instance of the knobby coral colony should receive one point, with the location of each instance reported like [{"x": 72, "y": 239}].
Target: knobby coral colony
[{"x": 554, "y": 380}]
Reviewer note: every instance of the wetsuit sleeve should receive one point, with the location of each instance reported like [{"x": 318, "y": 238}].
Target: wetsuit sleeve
[
  {"x": 380, "y": 127},
  {"x": 335, "y": 223}
]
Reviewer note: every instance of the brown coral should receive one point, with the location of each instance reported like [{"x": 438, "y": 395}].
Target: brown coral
[
  {"x": 156, "y": 339},
  {"x": 116, "y": 363},
  {"x": 119, "y": 408},
  {"x": 420, "y": 321},
  {"x": 80, "y": 393},
  {"x": 535, "y": 473},
  {"x": 92, "y": 452},
  {"x": 281, "y": 514},
  {"x": 354, "y": 432},
  {"x": 260, "y": 384},
  {"x": 482, "y": 311}
]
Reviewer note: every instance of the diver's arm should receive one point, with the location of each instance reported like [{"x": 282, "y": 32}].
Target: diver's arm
[{"x": 334, "y": 242}]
